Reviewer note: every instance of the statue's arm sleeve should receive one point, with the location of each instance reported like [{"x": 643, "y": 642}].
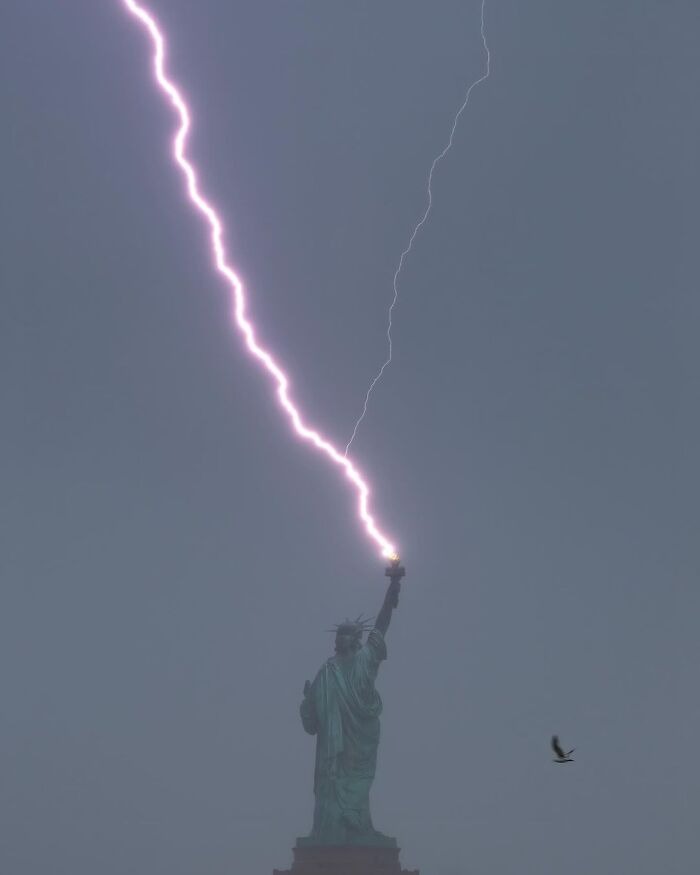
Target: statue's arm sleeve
[{"x": 375, "y": 649}]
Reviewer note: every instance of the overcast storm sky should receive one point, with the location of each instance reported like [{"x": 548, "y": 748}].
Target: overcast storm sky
[{"x": 171, "y": 559}]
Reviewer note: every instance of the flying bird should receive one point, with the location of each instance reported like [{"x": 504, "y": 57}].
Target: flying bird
[{"x": 562, "y": 756}]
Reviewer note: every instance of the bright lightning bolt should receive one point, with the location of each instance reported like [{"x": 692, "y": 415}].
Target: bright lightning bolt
[
  {"x": 419, "y": 225},
  {"x": 238, "y": 297}
]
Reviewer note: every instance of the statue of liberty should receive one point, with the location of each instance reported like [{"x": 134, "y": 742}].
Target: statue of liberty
[{"x": 341, "y": 708}]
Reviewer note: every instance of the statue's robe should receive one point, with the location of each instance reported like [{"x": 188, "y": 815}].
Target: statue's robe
[{"x": 342, "y": 710}]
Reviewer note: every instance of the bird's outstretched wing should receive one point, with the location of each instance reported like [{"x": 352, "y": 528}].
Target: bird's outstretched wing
[
  {"x": 569, "y": 752},
  {"x": 556, "y": 747}
]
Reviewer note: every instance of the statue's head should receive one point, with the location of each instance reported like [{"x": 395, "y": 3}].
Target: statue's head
[{"x": 348, "y": 636}]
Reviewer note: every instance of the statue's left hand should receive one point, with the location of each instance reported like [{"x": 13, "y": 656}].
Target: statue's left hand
[{"x": 307, "y": 689}]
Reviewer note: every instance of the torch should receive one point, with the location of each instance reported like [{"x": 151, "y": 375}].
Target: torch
[{"x": 395, "y": 571}]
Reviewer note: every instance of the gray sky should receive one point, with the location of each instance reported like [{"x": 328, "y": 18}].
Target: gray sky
[{"x": 171, "y": 559}]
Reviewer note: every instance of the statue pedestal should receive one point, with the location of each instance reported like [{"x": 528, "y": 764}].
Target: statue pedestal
[{"x": 345, "y": 860}]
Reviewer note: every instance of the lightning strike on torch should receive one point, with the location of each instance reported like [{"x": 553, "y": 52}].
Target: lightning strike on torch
[
  {"x": 238, "y": 296},
  {"x": 419, "y": 225}
]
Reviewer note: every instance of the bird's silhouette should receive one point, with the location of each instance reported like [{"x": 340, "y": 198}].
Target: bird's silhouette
[{"x": 562, "y": 756}]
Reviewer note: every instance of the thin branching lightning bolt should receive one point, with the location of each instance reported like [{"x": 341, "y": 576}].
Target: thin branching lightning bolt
[
  {"x": 419, "y": 225},
  {"x": 242, "y": 323}
]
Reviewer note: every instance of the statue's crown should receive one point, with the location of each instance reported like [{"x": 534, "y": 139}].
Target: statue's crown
[{"x": 354, "y": 628}]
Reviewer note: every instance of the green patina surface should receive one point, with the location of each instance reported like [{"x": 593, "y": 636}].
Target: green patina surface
[{"x": 341, "y": 708}]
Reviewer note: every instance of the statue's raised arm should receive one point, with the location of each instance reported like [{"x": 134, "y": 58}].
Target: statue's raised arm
[{"x": 394, "y": 572}]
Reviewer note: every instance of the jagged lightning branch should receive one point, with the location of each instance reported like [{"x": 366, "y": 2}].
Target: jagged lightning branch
[
  {"x": 241, "y": 321},
  {"x": 419, "y": 225}
]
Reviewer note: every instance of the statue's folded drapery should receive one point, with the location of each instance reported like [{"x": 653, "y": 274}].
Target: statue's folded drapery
[{"x": 342, "y": 709}]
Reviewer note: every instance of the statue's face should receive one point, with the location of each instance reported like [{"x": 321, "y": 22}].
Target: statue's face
[{"x": 346, "y": 644}]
